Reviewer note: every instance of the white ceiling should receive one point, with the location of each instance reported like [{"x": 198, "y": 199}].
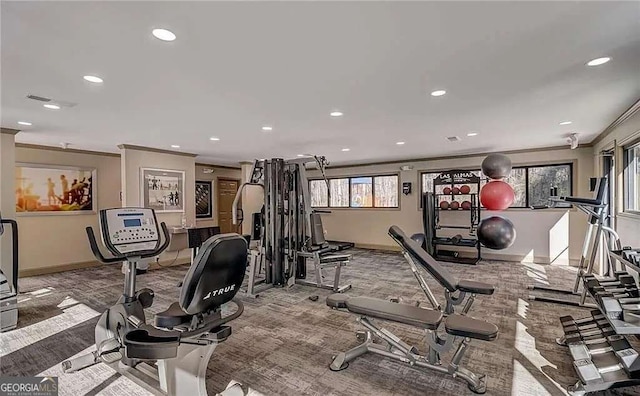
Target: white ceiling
[{"x": 512, "y": 71}]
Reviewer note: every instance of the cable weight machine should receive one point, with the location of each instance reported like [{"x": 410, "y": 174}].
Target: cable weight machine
[{"x": 290, "y": 231}]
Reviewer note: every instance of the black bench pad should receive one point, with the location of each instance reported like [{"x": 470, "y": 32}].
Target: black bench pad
[
  {"x": 334, "y": 258},
  {"x": 475, "y": 287},
  {"x": 401, "y": 313},
  {"x": 465, "y": 326}
]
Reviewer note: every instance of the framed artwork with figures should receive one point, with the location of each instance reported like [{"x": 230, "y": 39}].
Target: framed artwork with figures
[
  {"x": 54, "y": 189},
  {"x": 162, "y": 189}
]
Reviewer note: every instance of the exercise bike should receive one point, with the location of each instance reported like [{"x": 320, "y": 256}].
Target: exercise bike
[
  {"x": 9, "y": 287},
  {"x": 171, "y": 356}
]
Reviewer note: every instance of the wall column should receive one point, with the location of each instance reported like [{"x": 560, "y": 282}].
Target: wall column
[
  {"x": 7, "y": 195},
  {"x": 132, "y": 160}
]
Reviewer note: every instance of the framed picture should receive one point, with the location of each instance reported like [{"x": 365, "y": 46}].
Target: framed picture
[
  {"x": 203, "y": 200},
  {"x": 54, "y": 189},
  {"x": 162, "y": 189}
]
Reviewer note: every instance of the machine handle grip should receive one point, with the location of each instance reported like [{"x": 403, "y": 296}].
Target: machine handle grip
[
  {"x": 165, "y": 244},
  {"x": 96, "y": 250}
]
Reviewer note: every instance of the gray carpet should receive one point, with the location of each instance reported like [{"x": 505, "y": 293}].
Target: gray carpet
[{"x": 283, "y": 342}]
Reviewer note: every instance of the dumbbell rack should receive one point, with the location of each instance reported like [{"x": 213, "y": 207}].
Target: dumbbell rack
[
  {"x": 603, "y": 357},
  {"x": 451, "y": 179}
]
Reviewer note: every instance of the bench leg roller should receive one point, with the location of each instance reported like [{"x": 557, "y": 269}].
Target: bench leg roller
[
  {"x": 341, "y": 360},
  {"x": 476, "y": 383}
]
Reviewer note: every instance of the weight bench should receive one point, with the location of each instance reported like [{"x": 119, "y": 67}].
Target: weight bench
[
  {"x": 323, "y": 259},
  {"x": 456, "y": 290},
  {"x": 456, "y": 326}
]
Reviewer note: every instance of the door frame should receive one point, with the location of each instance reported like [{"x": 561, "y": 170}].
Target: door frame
[{"x": 231, "y": 179}]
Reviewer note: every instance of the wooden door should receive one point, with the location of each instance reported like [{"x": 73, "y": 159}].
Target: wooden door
[{"x": 227, "y": 189}]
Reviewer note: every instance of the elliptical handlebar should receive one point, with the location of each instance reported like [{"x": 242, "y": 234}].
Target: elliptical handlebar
[{"x": 95, "y": 249}]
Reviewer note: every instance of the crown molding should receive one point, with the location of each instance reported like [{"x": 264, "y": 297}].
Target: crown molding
[
  {"x": 67, "y": 150},
  {"x": 9, "y": 131},
  {"x": 630, "y": 112},
  {"x": 154, "y": 150}
]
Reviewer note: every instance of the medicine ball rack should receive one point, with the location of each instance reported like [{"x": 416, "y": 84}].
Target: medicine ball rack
[{"x": 454, "y": 179}]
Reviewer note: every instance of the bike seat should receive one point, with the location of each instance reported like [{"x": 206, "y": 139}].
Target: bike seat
[{"x": 172, "y": 317}]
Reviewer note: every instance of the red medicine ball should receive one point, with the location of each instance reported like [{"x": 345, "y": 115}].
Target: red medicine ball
[
  {"x": 444, "y": 205},
  {"x": 455, "y": 205},
  {"x": 497, "y": 195},
  {"x": 456, "y": 190},
  {"x": 466, "y": 205},
  {"x": 447, "y": 190},
  {"x": 465, "y": 189}
]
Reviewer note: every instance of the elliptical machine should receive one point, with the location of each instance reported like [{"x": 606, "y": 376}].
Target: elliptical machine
[
  {"x": 9, "y": 287},
  {"x": 184, "y": 336}
]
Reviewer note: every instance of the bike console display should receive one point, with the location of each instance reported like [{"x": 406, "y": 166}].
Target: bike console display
[{"x": 127, "y": 231}]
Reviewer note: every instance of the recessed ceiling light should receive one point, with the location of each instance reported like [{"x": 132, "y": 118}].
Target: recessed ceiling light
[
  {"x": 346, "y": 149},
  {"x": 52, "y": 106},
  {"x": 336, "y": 114},
  {"x": 439, "y": 92},
  {"x": 215, "y": 139},
  {"x": 175, "y": 146},
  {"x": 164, "y": 34},
  {"x": 94, "y": 79},
  {"x": 399, "y": 143},
  {"x": 300, "y": 155},
  {"x": 267, "y": 128},
  {"x": 598, "y": 61},
  {"x": 472, "y": 134},
  {"x": 25, "y": 123},
  {"x": 565, "y": 123}
]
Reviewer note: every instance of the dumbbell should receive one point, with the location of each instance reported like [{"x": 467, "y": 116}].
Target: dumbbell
[
  {"x": 612, "y": 343},
  {"x": 587, "y": 330},
  {"x": 618, "y": 362},
  {"x": 632, "y": 256},
  {"x": 611, "y": 307},
  {"x": 596, "y": 319},
  {"x": 626, "y": 254},
  {"x": 620, "y": 279}
]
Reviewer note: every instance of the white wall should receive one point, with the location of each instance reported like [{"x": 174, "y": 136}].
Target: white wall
[
  {"x": 232, "y": 173},
  {"x": 541, "y": 234},
  {"x": 133, "y": 159},
  {"x": 628, "y": 132},
  {"x": 49, "y": 241}
]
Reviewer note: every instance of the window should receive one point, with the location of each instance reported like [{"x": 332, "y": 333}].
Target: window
[
  {"x": 339, "y": 193},
  {"x": 361, "y": 192},
  {"x": 632, "y": 178},
  {"x": 386, "y": 188},
  {"x": 543, "y": 178},
  {"x": 356, "y": 192},
  {"x": 319, "y": 192},
  {"x": 531, "y": 184},
  {"x": 518, "y": 181}
]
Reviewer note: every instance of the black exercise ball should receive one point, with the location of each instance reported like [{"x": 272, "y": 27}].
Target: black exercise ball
[
  {"x": 496, "y": 232},
  {"x": 496, "y": 166}
]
